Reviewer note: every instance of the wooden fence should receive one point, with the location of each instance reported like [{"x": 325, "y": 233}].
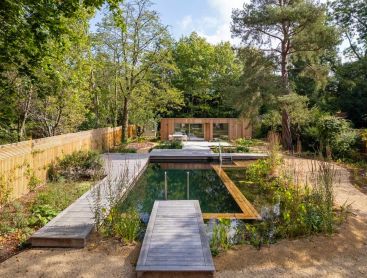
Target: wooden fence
[{"x": 28, "y": 161}]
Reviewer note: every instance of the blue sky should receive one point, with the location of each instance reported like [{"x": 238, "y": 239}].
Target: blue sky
[{"x": 209, "y": 18}]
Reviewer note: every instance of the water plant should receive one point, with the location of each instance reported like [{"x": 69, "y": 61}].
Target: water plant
[{"x": 291, "y": 209}]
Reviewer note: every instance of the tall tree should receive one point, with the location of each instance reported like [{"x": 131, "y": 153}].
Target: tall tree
[
  {"x": 135, "y": 52},
  {"x": 284, "y": 28},
  {"x": 351, "y": 15},
  {"x": 204, "y": 69},
  {"x": 27, "y": 28},
  {"x": 258, "y": 84}
]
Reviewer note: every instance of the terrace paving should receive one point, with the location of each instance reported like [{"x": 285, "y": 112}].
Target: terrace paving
[{"x": 73, "y": 225}]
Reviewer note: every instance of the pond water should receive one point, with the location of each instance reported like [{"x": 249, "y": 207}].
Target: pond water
[
  {"x": 184, "y": 181},
  {"x": 260, "y": 198}
]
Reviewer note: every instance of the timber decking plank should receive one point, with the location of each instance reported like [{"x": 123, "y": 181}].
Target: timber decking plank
[
  {"x": 73, "y": 225},
  {"x": 180, "y": 247}
]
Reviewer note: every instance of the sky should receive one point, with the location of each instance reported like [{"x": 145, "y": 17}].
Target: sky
[{"x": 209, "y": 18}]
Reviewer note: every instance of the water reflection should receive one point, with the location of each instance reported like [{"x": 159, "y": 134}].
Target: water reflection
[{"x": 181, "y": 184}]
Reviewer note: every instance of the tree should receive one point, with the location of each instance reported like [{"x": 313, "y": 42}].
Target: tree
[
  {"x": 133, "y": 54},
  {"x": 351, "y": 16},
  {"x": 28, "y": 26},
  {"x": 284, "y": 28},
  {"x": 257, "y": 85},
  {"x": 63, "y": 77},
  {"x": 204, "y": 71}
]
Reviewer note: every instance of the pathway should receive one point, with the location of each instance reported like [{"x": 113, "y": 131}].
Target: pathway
[
  {"x": 175, "y": 240},
  {"x": 345, "y": 192},
  {"x": 73, "y": 225}
]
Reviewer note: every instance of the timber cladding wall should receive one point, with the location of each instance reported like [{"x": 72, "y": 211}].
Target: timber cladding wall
[
  {"x": 19, "y": 162},
  {"x": 237, "y": 128}
]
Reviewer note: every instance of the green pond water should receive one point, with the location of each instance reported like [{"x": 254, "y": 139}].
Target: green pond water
[
  {"x": 204, "y": 185},
  {"x": 257, "y": 195}
]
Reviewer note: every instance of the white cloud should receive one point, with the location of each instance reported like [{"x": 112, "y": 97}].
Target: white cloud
[
  {"x": 223, "y": 29},
  {"x": 186, "y": 22},
  {"x": 214, "y": 28}
]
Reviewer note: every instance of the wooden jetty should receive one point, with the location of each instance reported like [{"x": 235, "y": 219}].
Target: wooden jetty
[{"x": 175, "y": 240}]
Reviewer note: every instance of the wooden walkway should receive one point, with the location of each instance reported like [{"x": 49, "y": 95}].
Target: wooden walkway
[
  {"x": 73, "y": 225},
  {"x": 175, "y": 240},
  {"x": 248, "y": 210}
]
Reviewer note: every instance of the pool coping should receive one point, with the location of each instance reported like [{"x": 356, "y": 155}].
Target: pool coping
[{"x": 248, "y": 210}]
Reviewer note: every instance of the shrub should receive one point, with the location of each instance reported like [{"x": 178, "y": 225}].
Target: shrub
[
  {"x": 5, "y": 190},
  {"x": 122, "y": 149},
  {"x": 335, "y": 133},
  {"x": 293, "y": 211},
  {"x": 80, "y": 165},
  {"x": 174, "y": 144},
  {"x": 125, "y": 226},
  {"x": 220, "y": 240},
  {"x": 41, "y": 215}
]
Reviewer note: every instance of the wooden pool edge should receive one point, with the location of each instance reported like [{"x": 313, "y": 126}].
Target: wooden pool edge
[{"x": 248, "y": 210}]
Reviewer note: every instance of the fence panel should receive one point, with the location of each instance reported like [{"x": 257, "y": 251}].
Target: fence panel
[{"x": 25, "y": 161}]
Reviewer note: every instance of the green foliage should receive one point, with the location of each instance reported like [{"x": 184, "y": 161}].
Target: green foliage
[
  {"x": 173, "y": 144},
  {"x": 290, "y": 210},
  {"x": 350, "y": 94},
  {"x": 256, "y": 87},
  {"x": 125, "y": 226},
  {"x": 19, "y": 219},
  {"x": 335, "y": 133},
  {"x": 41, "y": 215},
  {"x": 5, "y": 190},
  {"x": 287, "y": 28},
  {"x": 60, "y": 195},
  {"x": 122, "y": 149},
  {"x": 351, "y": 16},
  {"x": 220, "y": 240},
  {"x": 80, "y": 165},
  {"x": 34, "y": 181},
  {"x": 204, "y": 70}
]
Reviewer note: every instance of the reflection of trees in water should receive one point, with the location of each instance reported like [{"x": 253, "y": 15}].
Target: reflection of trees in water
[{"x": 205, "y": 186}]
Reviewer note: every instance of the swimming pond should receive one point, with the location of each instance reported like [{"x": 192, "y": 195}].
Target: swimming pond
[{"x": 184, "y": 182}]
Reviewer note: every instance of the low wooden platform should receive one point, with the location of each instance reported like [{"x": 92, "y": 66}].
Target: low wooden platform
[
  {"x": 248, "y": 210},
  {"x": 73, "y": 225},
  {"x": 175, "y": 240}
]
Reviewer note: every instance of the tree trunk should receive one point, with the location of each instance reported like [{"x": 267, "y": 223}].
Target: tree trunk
[
  {"x": 286, "y": 122},
  {"x": 286, "y": 131},
  {"x": 22, "y": 122},
  {"x": 125, "y": 120}
]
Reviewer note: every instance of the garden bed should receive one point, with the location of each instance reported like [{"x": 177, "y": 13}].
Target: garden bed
[{"x": 22, "y": 217}]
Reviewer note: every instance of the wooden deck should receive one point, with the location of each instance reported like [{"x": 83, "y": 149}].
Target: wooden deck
[
  {"x": 175, "y": 240},
  {"x": 249, "y": 212},
  {"x": 73, "y": 225}
]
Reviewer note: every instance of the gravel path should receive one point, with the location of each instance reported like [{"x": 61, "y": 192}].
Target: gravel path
[{"x": 344, "y": 191}]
